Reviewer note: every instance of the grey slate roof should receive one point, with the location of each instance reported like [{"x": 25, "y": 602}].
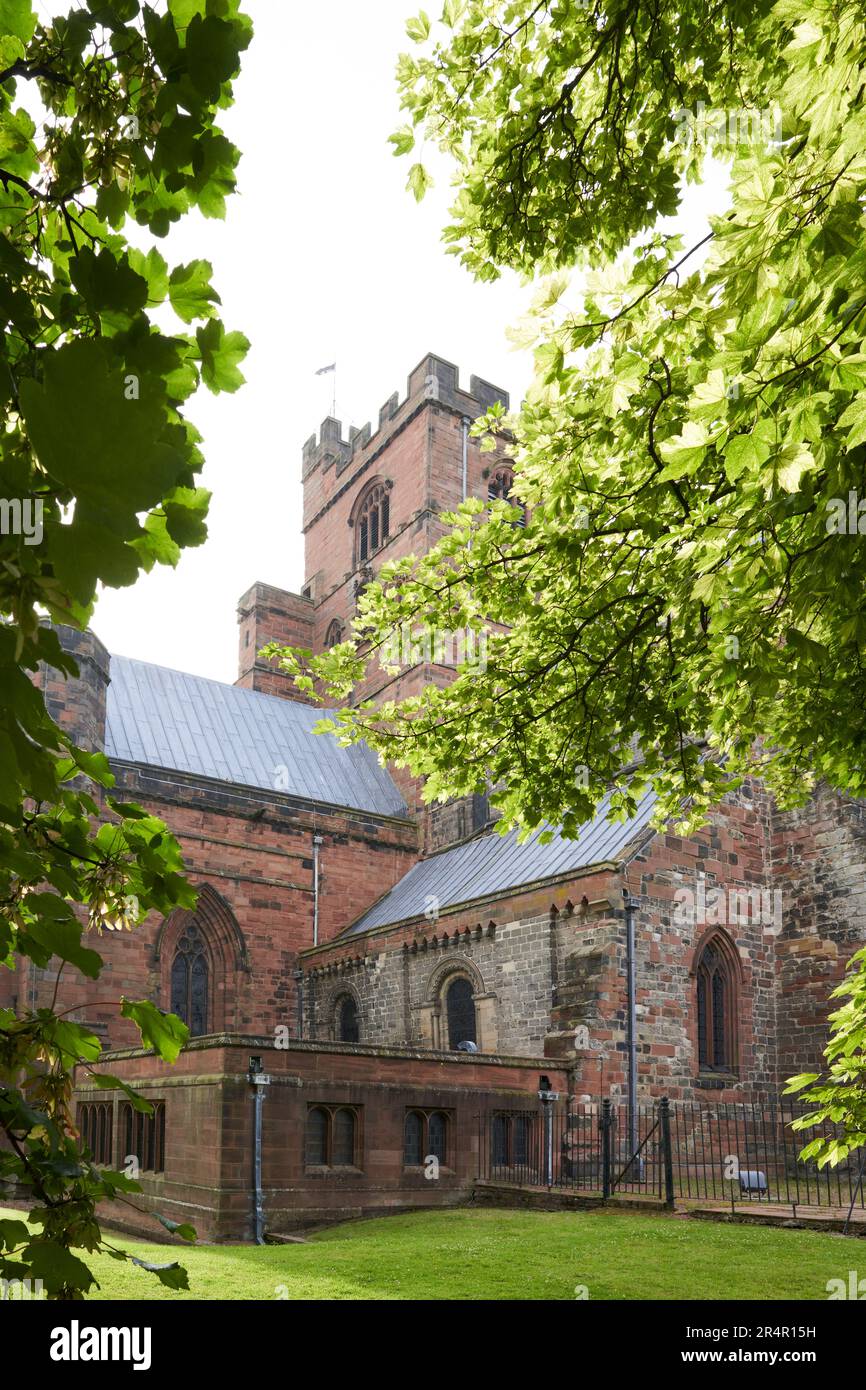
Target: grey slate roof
[
  {"x": 495, "y": 863},
  {"x": 189, "y": 724}
]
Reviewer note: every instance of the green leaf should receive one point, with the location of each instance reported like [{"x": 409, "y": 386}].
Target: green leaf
[
  {"x": 182, "y": 1229},
  {"x": 190, "y": 291},
  {"x": 220, "y": 353},
  {"x": 855, "y": 417},
  {"x": 173, "y": 1276},
  {"x": 82, "y": 423},
  {"x": 104, "y": 1081},
  {"x": 418, "y": 29},
  {"x": 18, "y": 19},
  {"x": 165, "y": 1033},
  {"x": 419, "y": 181},
  {"x": 403, "y": 140}
]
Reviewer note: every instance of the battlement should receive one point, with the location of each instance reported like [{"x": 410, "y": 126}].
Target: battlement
[{"x": 433, "y": 380}]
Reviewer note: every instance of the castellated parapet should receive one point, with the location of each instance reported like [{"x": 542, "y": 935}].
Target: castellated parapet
[{"x": 434, "y": 380}]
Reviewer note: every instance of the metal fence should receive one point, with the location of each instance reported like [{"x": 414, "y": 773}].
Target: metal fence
[{"x": 734, "y": 1152}]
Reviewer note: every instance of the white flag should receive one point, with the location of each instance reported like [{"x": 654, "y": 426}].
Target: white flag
[{"x": 323, "y": 371}]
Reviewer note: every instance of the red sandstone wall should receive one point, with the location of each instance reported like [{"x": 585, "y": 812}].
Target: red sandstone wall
[
  {"x": 209, "y": 1130},
  {"x": 263, "y": 870}
]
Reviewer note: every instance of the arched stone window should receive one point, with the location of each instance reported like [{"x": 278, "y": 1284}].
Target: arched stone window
[
  {"x": 332, "y": 1137},
  {"x": 716, "y": 1006},
  {"x": 437, "y": 1136},
  {"x": 317, "y": 1137},
  {"x": 425, "y": 1134},
  {"x": 347, "y": 1023},
  {"x": 372, "y": 521},
  {"x": 499, "y": 488},
  {"x": 190, "y": 981},
  {"x": 201, "y": 959},
  {"x": 460, "y": 1011},
  {"x": 413, "y": 1138},
  {"x": 334, "y": 634},
  {"x": 344, "y": 1139}
]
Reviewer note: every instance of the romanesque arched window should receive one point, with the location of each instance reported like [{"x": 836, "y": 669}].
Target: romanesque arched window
[
  {"x": 716, "y": 1007},
  {"x": 460, "y": 1011},
  {"x": 190, "y": 980},
  {"x": 372, "y": 522},
  {"x": 499, "y": 488},
  {"x": 348, "y": 1024},
  {"x": 334, "y": 634}
]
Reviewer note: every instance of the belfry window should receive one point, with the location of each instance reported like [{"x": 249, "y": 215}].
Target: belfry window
[
  {"x": 190, "y": 979},
  {"x": 372, "y": 527},
  {"x": 499, "y": 488},
  {"x": 715, "y": 1009},
  {"x": 334, "y": 634}
]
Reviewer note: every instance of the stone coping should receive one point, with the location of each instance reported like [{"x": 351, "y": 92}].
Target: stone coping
[{"x": 405, "y": 1052}]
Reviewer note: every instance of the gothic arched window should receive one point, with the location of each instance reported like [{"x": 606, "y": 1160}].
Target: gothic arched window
[
  {"x": 460, "y": 1009},
  {"x": 334, "y": 634},
  {"x": 190, "y": 981},
  {"x": 715, "y": 1009},
  {"x": 348, "y": 1025},
  {"x": 499, "y": 488},
  {"x": 373, "y": 522}
]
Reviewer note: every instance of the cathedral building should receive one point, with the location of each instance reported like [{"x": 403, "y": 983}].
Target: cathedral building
[{"x": 387, "y": 975}]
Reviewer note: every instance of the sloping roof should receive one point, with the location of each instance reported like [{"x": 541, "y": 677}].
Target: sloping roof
[
  {"x": 189, "y": 724},
  {"x": 495, "y": 863}
]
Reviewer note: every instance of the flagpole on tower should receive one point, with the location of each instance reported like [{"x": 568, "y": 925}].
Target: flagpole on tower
[{"x": 331, "y": 370}]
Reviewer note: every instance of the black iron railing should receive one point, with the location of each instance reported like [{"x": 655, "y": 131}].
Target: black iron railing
[{"x": 668, "y": 1150}]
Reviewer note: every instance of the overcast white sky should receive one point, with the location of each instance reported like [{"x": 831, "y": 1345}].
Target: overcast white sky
[{"x": 323, "y": 256}]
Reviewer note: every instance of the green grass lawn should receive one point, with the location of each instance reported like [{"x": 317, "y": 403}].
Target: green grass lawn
[{"x": 490, "y": 1254}]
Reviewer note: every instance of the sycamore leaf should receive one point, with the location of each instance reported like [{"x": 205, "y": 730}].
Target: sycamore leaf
[
  {"x": 191, "y": 293},
  {"x": 173, "y": 1275},
  {"x": 418, "y": 28},
  {"x": 220, "y": 353},
  {"x": 419, "y": 181},
  {"x": 855, "y": 417},
  {"x": 165, "y": 1033},
  {"x": 403, "y": 140},
  {"x": 684, "y": 451}
]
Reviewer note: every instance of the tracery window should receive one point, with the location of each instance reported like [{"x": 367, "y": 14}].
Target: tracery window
[
  {"x": 190, "y": 980},
  {"x": 372, "y": 526},
  {"x": 715, "y": 1009},
  {"x": 499, "y": 488},
  {"x": 334, "y": 634}
]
